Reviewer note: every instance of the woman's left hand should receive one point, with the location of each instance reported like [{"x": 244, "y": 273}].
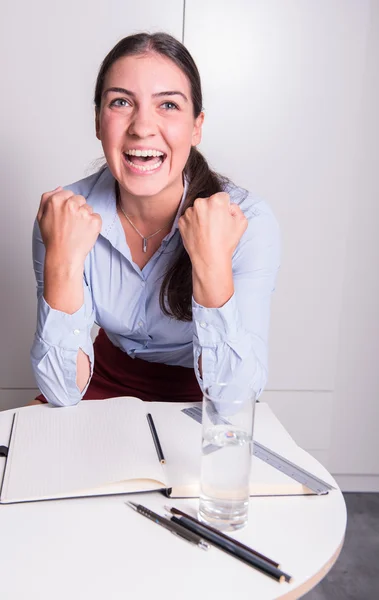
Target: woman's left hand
[{"x": 211, "y": 230}]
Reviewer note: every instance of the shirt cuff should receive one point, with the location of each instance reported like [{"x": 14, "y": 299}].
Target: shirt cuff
[
  {"x": 215, "y": 325},
  {"x": 56, "y": 328}
]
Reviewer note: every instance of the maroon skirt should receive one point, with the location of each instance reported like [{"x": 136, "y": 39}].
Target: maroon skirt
[{"x": 117, "y": 374}]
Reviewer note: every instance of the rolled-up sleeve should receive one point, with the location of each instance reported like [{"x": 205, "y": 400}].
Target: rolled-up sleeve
[
  {"x": 233, "y": 340},
  {"x": 58, "y": 338}
]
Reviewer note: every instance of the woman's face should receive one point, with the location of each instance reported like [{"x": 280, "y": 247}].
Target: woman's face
[{"x": 146, "y": 106}]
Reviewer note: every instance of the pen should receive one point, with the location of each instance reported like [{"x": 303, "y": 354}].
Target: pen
[
  {"x": 158, "y": 446},
  {"x": 227, "y": 545},
  {"x": 180, "y": 513},
  {"x": 175, "y": 528}
]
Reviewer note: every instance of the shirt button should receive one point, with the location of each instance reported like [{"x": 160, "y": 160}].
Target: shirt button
[
  {"x": 203, "y": 324},
  {"x": 140, "y": 323},
  {"x": 143, "y": 283},
  {"x": 76, "y": 331}
]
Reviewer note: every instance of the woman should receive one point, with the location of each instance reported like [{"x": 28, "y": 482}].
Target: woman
[{"x": 174, "y": 262}]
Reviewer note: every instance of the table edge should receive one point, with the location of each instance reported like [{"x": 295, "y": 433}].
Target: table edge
[{"x": 310, "y": 583}]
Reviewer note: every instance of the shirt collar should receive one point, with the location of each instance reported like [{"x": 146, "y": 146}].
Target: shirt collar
[{"x": 102, "y": 198}]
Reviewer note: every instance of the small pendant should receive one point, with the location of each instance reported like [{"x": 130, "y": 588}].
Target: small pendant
[{"x": 144, "y": 245}]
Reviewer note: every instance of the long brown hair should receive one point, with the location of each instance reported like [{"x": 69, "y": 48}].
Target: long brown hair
[{"x": 176, "y": 290}]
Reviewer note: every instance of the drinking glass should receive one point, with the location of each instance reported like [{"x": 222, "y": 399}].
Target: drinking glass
[{"x": 227, "y": 438}]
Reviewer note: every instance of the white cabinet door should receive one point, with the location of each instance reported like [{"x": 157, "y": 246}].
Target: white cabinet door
[
  {"x": 282, "y": 83},
  {"x": 355, "y": 440}
]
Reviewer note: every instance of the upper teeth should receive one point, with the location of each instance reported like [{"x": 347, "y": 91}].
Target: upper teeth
[{"x": 144, "y": 153}]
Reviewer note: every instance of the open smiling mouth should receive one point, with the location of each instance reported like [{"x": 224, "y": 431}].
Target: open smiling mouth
[{"x": 144, "y": 160}]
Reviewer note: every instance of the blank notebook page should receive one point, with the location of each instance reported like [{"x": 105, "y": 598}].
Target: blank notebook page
[
  {"x": 180, "y": 438},
  {"x": 59, "y": 451}
]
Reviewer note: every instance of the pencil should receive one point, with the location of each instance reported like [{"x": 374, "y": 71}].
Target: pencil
[
  {"x": 158, "y": 446},
  {"x": 228, "y": 546},
  {"x": 178, "y": 512},
  {"x": 174, "y": 528},
  {"x": 233, "y": 550}
]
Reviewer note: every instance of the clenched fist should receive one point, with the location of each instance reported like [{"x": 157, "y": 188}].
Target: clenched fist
[
  {"x": 68, "y": 226},
  {"x": 211, "y": 229}
]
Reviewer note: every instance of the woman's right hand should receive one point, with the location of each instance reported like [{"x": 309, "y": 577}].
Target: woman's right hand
[{"x": 68, "y": 225}]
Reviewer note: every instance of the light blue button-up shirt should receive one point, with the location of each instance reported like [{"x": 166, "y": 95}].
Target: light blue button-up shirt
[{"x": 124, "y": 300}]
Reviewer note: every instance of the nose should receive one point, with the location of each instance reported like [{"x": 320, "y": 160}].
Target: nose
[{"x": 142, "y": 124}]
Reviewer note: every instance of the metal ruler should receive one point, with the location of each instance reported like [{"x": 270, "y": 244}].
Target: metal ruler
[{"x": 318, "y": 486}]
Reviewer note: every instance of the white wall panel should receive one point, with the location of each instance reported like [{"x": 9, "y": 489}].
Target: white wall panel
[
  {"x": 282, "y": 83},
  {"x": 15, "y": 398},
  {"x": 50, "y": 54},
  {"x": 358, "y": 483},
  {"x": 307, "y": 416},
  {"x": 355, "y": 443}
]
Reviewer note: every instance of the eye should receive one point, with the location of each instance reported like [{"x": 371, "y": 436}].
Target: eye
[
  {"x": 170, "y": 105},
  {"x": 119, "y": 102}
]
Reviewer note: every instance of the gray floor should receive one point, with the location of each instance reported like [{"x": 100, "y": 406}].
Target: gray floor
[{"x": 355, "y": 576}]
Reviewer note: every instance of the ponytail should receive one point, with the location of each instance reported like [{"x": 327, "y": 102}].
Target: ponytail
[{"x": 175, "y": 296}]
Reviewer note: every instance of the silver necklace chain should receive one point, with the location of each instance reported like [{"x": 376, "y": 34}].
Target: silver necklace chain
[{"x": 144, "y": 238}]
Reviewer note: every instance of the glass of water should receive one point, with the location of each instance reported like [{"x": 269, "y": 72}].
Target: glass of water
[{"x": 227, "y": 438}]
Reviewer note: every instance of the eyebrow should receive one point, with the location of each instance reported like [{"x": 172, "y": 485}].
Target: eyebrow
[{"x": 120, "y": 90}]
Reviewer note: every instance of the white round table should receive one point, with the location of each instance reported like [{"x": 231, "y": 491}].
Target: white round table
[{"x": 98, "y": 548}]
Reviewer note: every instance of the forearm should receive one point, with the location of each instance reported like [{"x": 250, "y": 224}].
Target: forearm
[
  {"x": 63, "y": 285},
  {"x": 212, "y": 288},
  {"x": 231, "y": 307},
  {"x": 63, "y": 290},
  {"x": 212, "y": 284}
]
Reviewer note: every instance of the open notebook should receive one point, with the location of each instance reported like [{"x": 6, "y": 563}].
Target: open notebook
[{"x": 106, "y": 447}]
